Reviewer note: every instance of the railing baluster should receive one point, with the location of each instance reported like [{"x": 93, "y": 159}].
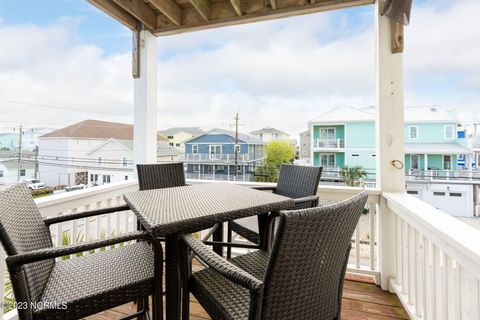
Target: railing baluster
[
  {"x": 373, "y": 209},
  {"x": 443, "y": 285},
  {"x": 437, "y": 283},
  {"x": 418, "y": 275},
  {"x": 429, "y": 296},
  {"x": 398, "y": 250},
  {"x": 98, "y": 232},
  {"x": 448, "y": 262},
  {"x": 86, "y": 226},
  {"x": 411, "y": 264},
  {"x": 357, "y": 247},
  {"x": 404, "y": 257},
  {"x": 73, "y": 231}
]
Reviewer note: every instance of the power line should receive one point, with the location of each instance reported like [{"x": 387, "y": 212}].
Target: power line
[
  {"x": 57, "y": 107},
  {"x": 70, "y": 91}
]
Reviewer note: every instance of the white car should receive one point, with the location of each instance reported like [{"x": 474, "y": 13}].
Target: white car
[{"x": 35, "y": 184}]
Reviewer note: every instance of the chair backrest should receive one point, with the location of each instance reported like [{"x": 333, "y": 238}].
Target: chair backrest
[
  {"x": 304, "y": 277},
  {"x": 22, "y": 230},
  {"x": 298, "y": 181},
  {"x": 158, "y": 176}
]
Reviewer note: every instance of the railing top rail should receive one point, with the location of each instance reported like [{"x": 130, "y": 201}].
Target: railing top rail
[{"x": 455, "y": 238}]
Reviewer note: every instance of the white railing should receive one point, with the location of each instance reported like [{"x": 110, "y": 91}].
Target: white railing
[
  {"x": 437, "y": 257},
  {"x": 437, "y": 261},
  {"x": 329, "y": 143},
  {"x": 218, "y": 157},
  {"x": 433, "y": 174}
]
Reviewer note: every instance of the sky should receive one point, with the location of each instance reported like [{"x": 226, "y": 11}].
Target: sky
[{"x": 64, "y": 61}]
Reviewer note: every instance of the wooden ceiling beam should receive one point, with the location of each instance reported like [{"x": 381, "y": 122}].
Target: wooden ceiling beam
[
  {"x": 203, "y": 7},
  {"x": 273, "y": 4},
  {"x": 222, "y": 14},
  {"x": 116, "y": 12},
  {"x": 140, "y": 10},
  {"x": 237, "y": 6},
  {"x": 170, "y": 9}
]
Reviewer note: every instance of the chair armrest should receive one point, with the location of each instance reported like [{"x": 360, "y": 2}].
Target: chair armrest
[
  {"x": 264, "y": 188},
  {"x": 313, "y": 199},
  {"x": 85, "y": 214},
  {"x": 222, "y": 266},
  {"x": 18, "y": 260}
]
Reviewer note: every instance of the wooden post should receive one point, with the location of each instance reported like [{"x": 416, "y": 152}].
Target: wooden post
[
  {"x": 389, "y": 136},
  {"x": 145, "y": 101}
]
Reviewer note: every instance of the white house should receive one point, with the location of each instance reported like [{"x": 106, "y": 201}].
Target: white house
[
  {"x": 109, "y": 169},
  {"x": 268, "y": 134},
  {"x": 67, "y": 156},
  {"x": 10, "y": 170}
]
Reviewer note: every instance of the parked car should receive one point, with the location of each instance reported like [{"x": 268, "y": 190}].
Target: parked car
[{"x": 35, "y": 184}]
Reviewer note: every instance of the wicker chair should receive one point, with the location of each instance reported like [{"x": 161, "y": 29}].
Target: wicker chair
[
  {"x": 46, "y": 288},
  {"x": 300, "y": 278},
  {"x": 297, "y": 182},
  {"x": 158, "y": 176}
]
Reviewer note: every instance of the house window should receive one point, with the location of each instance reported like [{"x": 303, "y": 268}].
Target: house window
[
  {"x": 1, "y": 173},
  {"x": 177, "y": 144},
  {"x": 220, "y": 168},
  {"x": 413, "y": 132},
  {"x": 106, "y": 178},
  {"x": 415, "y": 161},
  {"x": 327, "y": 134},
  {"x": 169, "y": 137},
  {"x": 124, "y": 161},
  {"x": 207, "y": 169},
  {"x": 99, "y": 161},
  {"x": 171, "y": 144},
  {"x": 449, "y": 132},
  {"x": 447, "y": 162},
  {"x": 260, "y": 136},
  {"x": 126, "y": 177},
  {"x": 196, "y": 168},
  {"x": 374, "y": 155},
  {"x": 327, "y": 160},
  {"x": 195, "y": 148},
  {"x": 93, "y": 177},
  {"x": 215, "y": 149}
]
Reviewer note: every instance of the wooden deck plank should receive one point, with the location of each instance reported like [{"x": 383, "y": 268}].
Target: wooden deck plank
[{"x": 361, "y": 301}]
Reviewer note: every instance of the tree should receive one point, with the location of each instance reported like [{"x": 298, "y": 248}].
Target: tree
[
  {"x": 278, "y": 152},
  {"x": 352, "y": 175}
]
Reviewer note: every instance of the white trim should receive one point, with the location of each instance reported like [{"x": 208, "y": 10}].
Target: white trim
[
  {"x": 411, "y": 161},
  {"x": 214, "y": 146},
  {"x": 328, "y": 154},
  {"x": 194, "y": 145},
  {"x": 445, "y": 132},
  {"x": 417, "y": 133}
]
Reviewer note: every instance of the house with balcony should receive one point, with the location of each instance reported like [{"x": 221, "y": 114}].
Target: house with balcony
[
  {"x": 434, "y": 145},
  {"x": 268, "y": 134},
  {"x": 222, "y": 155},
  {"x": 178, "y": 135}
]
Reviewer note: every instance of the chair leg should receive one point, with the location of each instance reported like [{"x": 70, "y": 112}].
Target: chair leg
[
  {"x": 140, "y": 308},
  {"x": 229, "y": 240}
]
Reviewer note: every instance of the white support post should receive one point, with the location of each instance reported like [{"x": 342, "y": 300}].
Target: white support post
[
  {"x": 145, "y": 102},
  {"x": 425, "y": 162},
  {"x": 389, "y": 137}
]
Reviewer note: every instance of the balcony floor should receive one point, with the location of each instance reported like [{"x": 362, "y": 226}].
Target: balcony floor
[{"x": 362, "y": 300}]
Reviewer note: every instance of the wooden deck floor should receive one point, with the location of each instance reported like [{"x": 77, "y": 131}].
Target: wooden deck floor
[{"x": 362, "y": 300}]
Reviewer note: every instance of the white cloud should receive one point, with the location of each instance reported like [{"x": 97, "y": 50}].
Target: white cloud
[{"x": 278, "y": 73}]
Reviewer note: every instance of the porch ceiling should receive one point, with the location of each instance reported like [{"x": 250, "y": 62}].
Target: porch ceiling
[{"x": 163, "y": 17}]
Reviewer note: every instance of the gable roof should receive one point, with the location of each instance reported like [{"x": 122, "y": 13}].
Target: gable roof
[
  {"x": 268, "y": 129},
  {"x": 95, "y": 129},
  {"x": 163, "y": 148},
  {"x": 344, "y": 114},
  {"x": 244, "y": 138},
  {"x": 195, "y": 131},
  {"x": 413, "y": 114}
]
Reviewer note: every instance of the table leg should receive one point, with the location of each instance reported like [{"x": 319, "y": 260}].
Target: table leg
[
  {"x": 157, "y": 306},
  {"x": 218, "y": 236},
  {"x": 263, "y": 230},
  {"x": 172, "y": 278}
]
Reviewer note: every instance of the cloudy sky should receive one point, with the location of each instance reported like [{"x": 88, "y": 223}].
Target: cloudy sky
[{"x": 63, "y": 61}]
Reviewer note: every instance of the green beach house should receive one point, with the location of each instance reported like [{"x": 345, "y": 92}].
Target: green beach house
[{"x": 434, "y": 140}]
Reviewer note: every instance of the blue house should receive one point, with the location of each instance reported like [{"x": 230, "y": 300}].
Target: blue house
[{"x": 212, "y": 155}]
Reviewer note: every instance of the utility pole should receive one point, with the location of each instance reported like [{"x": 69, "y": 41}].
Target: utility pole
[
  {"x": 236, "y": 143},
  {"x": 19, "y": 165},
  {"x": 36, "y": 162}
]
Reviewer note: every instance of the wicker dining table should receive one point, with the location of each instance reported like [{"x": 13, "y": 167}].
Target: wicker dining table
[{"x": 170, "y": 212}]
